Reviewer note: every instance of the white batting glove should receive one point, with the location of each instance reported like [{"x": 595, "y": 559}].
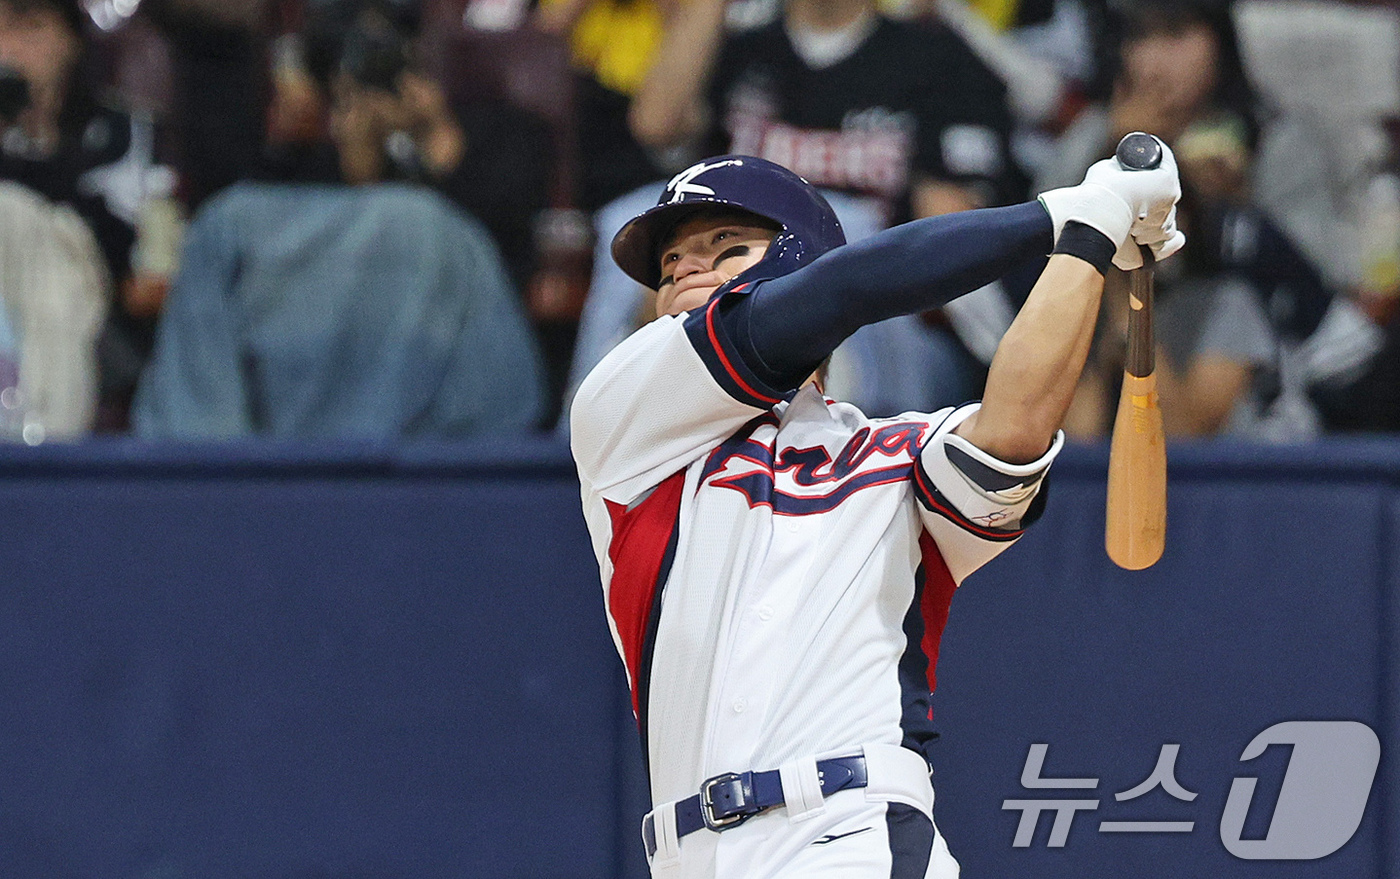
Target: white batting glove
[
  {"x": 1128, "y": 207},
  {"x": 1163, "y": 238}
]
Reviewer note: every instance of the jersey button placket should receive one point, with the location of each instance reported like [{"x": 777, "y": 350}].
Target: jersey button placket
[
  {"x": 747, "y": 680},
  {"x": 759, "y": 643}
]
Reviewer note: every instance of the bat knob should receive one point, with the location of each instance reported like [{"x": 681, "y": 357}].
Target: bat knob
[{"x": 1139, "y": 151}]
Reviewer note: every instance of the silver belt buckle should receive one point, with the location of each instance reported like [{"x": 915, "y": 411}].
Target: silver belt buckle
[{"x": 730, "y": 815}]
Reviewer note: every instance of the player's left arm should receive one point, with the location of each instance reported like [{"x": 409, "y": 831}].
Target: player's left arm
[
  {"x": 978, "y": 478},
  {"x": 1036, "y": 369},
  {"x": 1037, "y": 366}
]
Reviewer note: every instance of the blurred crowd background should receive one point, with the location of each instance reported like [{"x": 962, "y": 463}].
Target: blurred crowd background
[{"x": 330, "y": 219}]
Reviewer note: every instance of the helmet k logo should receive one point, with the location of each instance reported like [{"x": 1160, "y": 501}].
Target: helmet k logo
[{"x": 682, "y": 184}]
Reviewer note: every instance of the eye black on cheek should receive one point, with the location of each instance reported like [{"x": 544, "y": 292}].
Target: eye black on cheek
[{"x": 736, "y": 250}]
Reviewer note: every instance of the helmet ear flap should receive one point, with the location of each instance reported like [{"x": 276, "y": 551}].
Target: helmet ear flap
[{"x": 787, "y": 249}]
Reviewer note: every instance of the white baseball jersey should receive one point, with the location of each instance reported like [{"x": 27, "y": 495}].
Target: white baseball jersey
[{"x": 776, "y": 574}]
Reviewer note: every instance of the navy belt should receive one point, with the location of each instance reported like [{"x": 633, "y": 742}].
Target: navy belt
[{"x": 730, "y": 799}]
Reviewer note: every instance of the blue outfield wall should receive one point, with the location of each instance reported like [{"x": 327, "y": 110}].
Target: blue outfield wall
[{"x": 289, "y": 662}]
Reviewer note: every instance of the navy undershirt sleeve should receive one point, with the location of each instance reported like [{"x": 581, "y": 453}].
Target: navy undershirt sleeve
[{"x": 785, "y": 327}]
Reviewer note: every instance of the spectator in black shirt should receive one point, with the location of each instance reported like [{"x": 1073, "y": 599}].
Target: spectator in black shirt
[{"x": 850, "y": 99}]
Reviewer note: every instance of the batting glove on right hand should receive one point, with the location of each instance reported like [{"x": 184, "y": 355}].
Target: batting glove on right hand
[{"x": 1163, "y": 238}]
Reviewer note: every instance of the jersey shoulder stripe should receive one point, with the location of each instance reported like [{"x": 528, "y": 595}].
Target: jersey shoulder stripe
[{"x": 721, "y": 357}]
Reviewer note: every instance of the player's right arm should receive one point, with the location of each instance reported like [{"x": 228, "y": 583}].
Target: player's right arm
[{"x": 681, "y": 385}]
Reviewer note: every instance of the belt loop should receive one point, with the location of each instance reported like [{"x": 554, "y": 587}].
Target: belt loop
[
  {"x": 649, "y": 835},
  {"x": 663, "y": 843},
  {"x": 802, "y": 789},
  {"x": 899, "y": 775}
]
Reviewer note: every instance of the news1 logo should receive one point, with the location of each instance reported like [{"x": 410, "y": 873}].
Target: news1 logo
[{"x": 1319, "y": 807}]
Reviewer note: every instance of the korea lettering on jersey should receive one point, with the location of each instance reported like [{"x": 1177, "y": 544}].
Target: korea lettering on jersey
[{"x": 776, "y": 573}]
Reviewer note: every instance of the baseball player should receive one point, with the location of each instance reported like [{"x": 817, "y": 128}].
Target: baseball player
[{"x": 777, "y": 567}]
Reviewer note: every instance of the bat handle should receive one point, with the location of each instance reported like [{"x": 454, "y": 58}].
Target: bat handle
[
  {"x": 1141, "y": 357},
  {"x": 1138, "y": 151}
]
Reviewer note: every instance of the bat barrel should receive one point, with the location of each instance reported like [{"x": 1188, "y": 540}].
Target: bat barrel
[{"x": 1136, "y": 515}]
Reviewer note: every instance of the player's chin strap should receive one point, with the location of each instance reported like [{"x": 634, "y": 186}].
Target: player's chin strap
[{"x": 730, "y": 799}]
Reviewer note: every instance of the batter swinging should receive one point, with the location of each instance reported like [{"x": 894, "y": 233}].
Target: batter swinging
[{"x": 777, "y": 567}]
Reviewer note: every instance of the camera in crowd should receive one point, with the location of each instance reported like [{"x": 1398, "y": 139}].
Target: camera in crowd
[
  {"x": 375, "y": 56},
  {"x": 14, "y": 94},
  {"x": 370, "y": 40}
]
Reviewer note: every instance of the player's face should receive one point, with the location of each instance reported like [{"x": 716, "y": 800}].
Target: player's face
[{"x": 703, "y": 253}]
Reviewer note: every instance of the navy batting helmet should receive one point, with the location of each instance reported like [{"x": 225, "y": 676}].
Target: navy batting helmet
[{"x": 809, "y": 226}]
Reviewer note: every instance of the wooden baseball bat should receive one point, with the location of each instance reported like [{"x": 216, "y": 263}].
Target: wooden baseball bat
[{"x": 1135, "y": 526}]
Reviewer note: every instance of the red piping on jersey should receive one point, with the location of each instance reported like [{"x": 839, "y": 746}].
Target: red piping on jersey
[
  {"x": 724, "y": 358},
  {"x": 934, "y": 605},
  {"x": 637, "y": 549}
]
